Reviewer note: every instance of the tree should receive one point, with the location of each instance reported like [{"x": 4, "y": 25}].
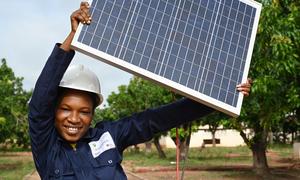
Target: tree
[
  {"x": 275, "y": 70},
  {"x": 184, "y": 135},
  {"x": 13, "y": 107},
  {"x": 214, "y": 121},
  {"x": 287, "y": 125}
]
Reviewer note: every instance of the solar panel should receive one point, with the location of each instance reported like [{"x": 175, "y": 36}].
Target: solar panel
[{"x": 199, "y": 48}]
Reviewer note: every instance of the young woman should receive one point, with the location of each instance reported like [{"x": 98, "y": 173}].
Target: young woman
[{"x": 64, "y": 146}]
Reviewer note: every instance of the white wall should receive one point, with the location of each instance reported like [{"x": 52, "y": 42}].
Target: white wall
[{"x": 227, "y": 138}]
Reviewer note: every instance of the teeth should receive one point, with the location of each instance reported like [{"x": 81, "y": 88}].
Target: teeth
[{"x": 72, "y": 129}]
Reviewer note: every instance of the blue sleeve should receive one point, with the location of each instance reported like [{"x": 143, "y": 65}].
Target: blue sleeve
[
  {"x": 141, "y": 127},
  {"x": 42, "y": 104}
]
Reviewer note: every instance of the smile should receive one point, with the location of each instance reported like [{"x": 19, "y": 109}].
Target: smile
[{"x": 72, "y": 130}]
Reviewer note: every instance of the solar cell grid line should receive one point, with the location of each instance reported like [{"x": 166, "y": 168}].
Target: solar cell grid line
[
  {"x": 128, "y": 41},
  {"x": 170, "y": 26},
  {"x": 182, "y": 47},
  {"x": 85, "y": 28},
  {"x": 140, "y": 46},
  {"x": 210, "y": 17},
  {"x": 175, "y": 26},
  {"x": 204, "y": 34},
  {"x": 129, "y": 18},
  {"x": 230, "y": 85},
  {"x": 209, "y": 59},
  {"x": 165, "y": 58},
  {"x": 215, "y": 86},
  {"x": 185, "y": 30},
  {"x": 188, "y": 32},
  {"x": 119, "y": 12},
  {"x": 130, "y": 53},
  {"x": 95, "y": 42},
  {"x": 198, "y": 48},
  {"x": 248, "y": 33},
  {"x": 142, "y": 63},
  {"x": 111, "y": 26},
  {"x": 167, "y": 44},
  {"x": 238, "y": 50},
  {"x": 116, "y": 13},
  {"x": 163, "y": 44},
  {"x": 192, "y": 73},
  {"x": 239, "y": 75},
  {"x": 227, "y": 74},
  {"x": 131, "y": 37},
  {"x": 144, "y": 29}
]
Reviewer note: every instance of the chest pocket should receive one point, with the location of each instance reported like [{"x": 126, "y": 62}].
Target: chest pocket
[
  {"x": 107, "y": 165},
  {"x": 110, "y": 157},
  {"x": 65, "y": 174}
]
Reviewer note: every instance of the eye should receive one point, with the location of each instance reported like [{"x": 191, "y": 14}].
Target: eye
[
  {"x": 85, "y": 112},
  {"x": 64, "y": 109}
]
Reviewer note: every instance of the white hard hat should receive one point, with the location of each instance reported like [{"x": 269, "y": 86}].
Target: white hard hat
[{"x": 81, "y": 78}]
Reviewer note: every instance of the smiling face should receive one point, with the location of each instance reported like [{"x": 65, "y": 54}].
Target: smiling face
[{"x": 74, "y": 114}]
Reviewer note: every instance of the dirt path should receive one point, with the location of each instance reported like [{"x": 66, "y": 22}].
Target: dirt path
[
  {"x": 280, "y": 168},
  {"x": 131, "y": 176},
  {"x": 212, "y": 173}
]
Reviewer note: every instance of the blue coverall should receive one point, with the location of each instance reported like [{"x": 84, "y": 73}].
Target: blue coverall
[{"x": 98, "y": 154}]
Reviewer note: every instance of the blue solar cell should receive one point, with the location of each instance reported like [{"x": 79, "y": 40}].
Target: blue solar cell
[
  {"x": 95, "y": 42},
  {"x": 183, "y": 79}
]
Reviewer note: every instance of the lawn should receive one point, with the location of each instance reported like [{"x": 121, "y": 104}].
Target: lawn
[
  {"x": 208, "y": 163},
  {"x": 15, "y": 165},
  {"x": 214, "y": 163},
  {"x": 220, "y": 156}
]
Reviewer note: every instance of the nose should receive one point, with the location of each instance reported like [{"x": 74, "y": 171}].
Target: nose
[{"x": 74, "y": 117}]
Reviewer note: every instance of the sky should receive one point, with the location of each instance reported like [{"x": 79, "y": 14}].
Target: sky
[{"x": 28, "y": 32}]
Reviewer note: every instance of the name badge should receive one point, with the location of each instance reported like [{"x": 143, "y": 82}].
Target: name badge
[{"x": 104, "y": 143}]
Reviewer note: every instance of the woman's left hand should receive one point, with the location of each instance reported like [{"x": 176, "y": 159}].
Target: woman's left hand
[{"x": 245, "y": 88}]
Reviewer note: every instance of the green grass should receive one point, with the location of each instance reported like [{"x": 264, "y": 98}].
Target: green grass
[
  {"x": 213, "y": 163},
  {"x": 209, "y": 156},
  {"x": 15, "y": 166},
  {"x": 283, "y": 150}
]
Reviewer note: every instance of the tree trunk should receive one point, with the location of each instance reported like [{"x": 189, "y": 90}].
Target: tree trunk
[
  {"x": 270, "y": 137},
  {"x": 284, "y": 137},
  {"x": 213, "y": 138},
  {"x": 182, "y": 149},
  {"x": 260, "y": 164},
  {"x": 159, "y": 149},
  {"x": 188, "y": 140},
  {"x": 136, "y": 148},
  {"x": 259, "y": 148},
  {"x": 148, "y": 147}
]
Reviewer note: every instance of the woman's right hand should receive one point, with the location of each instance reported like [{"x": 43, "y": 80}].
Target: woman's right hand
[{"x": 81, "y": 15}]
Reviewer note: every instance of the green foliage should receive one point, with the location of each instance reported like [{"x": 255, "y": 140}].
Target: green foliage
[
  {"x": 183, "y": 131},
  {"x": 2, "y": 121},
  {"x": 13, "y": 110},
  {"x": 275, "y": 65},
  {"x": 275, "y": 68}
]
